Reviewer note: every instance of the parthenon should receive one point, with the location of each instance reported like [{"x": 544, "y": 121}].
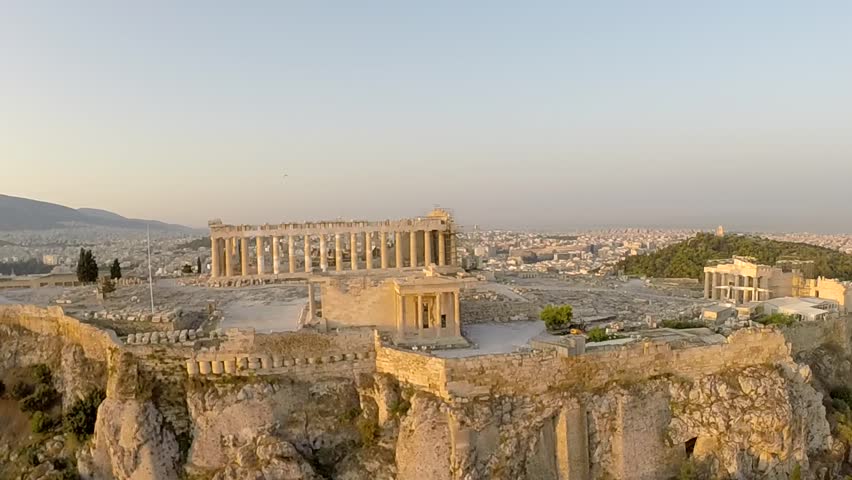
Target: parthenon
[{"x": 332, "y": 246}]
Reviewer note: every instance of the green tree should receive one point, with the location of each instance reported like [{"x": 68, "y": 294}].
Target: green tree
[
  {"x": 199, "y": 266},
  {"x": 186, "y": 269},
  {"x": 557, "y": 316},
  {"x": 115, "y": 270},
  {"x": 80, "y": 417},
  {"x": 87, "y": 267},
  {"x": 107, "y": 285}
]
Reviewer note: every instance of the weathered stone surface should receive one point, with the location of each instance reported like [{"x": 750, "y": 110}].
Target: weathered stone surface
[
  {"x": 419, "y": 432},
  {"x": 130, "y": 442}
]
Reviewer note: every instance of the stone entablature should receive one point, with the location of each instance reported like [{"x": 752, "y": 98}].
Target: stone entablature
[
  {"x": 319, "y": 228},
  {"x": 334, "y": 245}
]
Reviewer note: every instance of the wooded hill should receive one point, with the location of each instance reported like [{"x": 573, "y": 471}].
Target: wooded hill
[{"x": 688, "y": 258}]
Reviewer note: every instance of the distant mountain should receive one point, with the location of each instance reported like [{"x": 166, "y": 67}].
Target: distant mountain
[{"x": 18, "y": 213}]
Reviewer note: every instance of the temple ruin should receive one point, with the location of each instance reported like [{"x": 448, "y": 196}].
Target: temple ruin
[{"x": 332, "y": 246}]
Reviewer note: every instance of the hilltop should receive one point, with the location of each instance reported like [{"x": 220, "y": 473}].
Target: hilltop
[
  {"x": 18, "y": 213},
  {"x": 688, "y": 258}
]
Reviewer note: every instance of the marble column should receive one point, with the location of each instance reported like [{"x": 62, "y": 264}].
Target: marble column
[
  {"x": 244, "y": 256},
  {"x": 368, "y": 249},
  {"x": 229, "y": 257},
  {"x": 323, "y": 254},
  {"x": 215, "y": 254},
  {"x": 276, "y": 260},
  {"x": 259, "y": 247},
  {"x": 707, "y": 284},
  {"x": 412, "y": 243},
  {"x": 397, "y": 249},
  {"x": 419, "y": 314},
  {"x": 353, "y": 250},
  {"x": 311, "y": 302},
  {"x": 442, "y": 253},
  {"x": 291, "y": 253},
  {"x": 427, "y": 248},
  {"x": 439, "y": 298},
  {"x": 383, "y": 249},
  {"x": 457, "y": 314},
  {"x": 338, "y": 253},
  {"x": 308, "y": 263},
  {"x": 452, "y": 249}
]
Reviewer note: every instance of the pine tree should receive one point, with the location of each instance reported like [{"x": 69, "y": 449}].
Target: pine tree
[
  {"x": 81, "y": 266},
  {"x": 115, "y": 270},
  {"x": 87, "y": 267},
  {"x": 199, "y": 265}
]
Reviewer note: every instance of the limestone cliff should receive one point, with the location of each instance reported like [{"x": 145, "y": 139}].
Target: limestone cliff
[
  {"x": 130, "y": 443},
  {"x": 751, "y": 413}
]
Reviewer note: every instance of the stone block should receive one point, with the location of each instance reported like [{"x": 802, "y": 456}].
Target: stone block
[
  {"x": 265, "y": 362},
  {"x": 204, "y": 367},
  {"x": 146, "y": 338},
  {"x": 289, "y": 362},
  {"x": 253, "y": 363},
  {"x": 242, "y": 363},
  {"x": 277, "y": 361},
  {"x": 218, "y": 367},
  {"x": 230, "y": 366},
  {"x": 190, "y": 334},
  {"x": 182, "y": 337},
  {"x": 192, "y": 367}
]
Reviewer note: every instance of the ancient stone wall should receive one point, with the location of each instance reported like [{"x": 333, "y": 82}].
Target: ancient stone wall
[
  {"x": 360, "y": 301},
  {"x": 479, "y": 310},
  {"x": 521, "y": 373},
  {"x": 96, "y": 343}
]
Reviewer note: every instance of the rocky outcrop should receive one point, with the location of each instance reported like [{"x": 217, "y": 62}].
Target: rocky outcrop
[
  {"x": 316, "y": 419},
  {"x": 754, "y": 423},
  {"x": 130, "y": 443},
  {"x": 263, "y": 457},
  {"x": 421, "y": 431}
]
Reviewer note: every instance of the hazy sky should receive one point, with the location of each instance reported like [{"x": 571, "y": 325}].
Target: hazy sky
[{"x": 543, "y": 114}]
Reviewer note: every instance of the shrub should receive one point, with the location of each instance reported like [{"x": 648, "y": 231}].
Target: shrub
[
  {"x": 21, "y": 390},
  {"x": 687, "y": 471},
  {"x": 555, "y": 317},
  {"x": 2, "y": 388},
  {"x": 41, "y": 422},
  {"x": 400, "y": 408},
  {"x": 681, "y": 324},
  {"x": 42, "y": 399},
  {"x": 80, "y": 417},
  {"x": 842, "y": 393},
  {"x": 777, "y": 319},
  {"x": 797, "y": 473},
  {"x": 598, "y": 334},
  {"x": 369, "y": 431},
  {"x": 41, "y": 374}
]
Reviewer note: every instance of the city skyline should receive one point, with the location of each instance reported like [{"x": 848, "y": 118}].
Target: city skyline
[{"x": 555, "y": 117}]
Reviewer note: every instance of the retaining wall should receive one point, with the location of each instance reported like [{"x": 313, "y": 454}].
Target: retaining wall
[
  {"x": 96, "y": 343},
  {"x": 538, "y": 371}
]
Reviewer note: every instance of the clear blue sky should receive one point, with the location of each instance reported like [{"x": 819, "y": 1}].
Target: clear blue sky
[{"x": 542, "y": 114}]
